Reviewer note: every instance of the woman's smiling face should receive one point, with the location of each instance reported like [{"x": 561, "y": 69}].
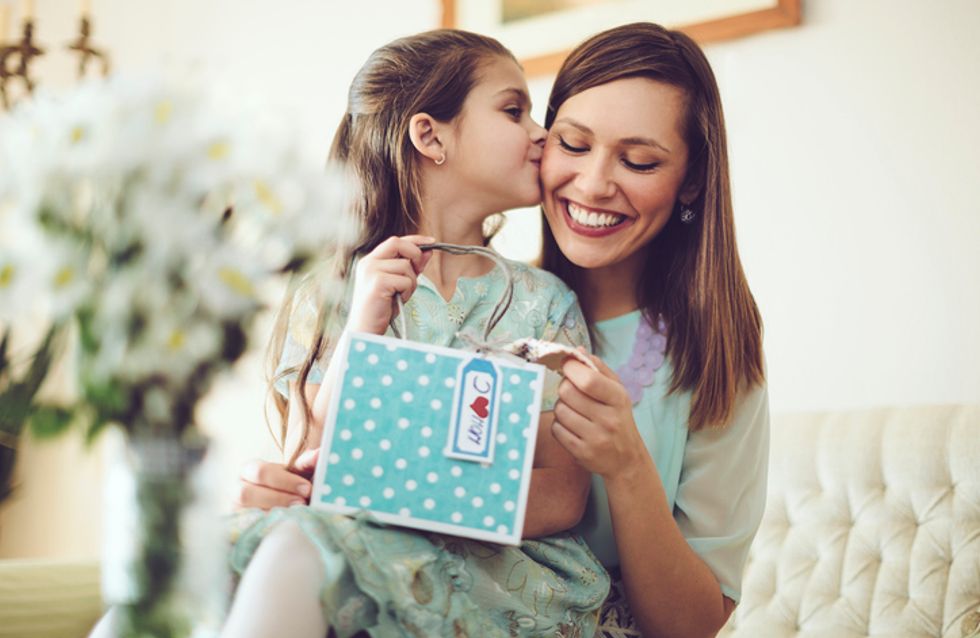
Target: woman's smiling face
[{"x": 613, "y": 167}]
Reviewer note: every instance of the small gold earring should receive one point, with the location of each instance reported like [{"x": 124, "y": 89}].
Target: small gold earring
[{"x": 441, "y": 160}]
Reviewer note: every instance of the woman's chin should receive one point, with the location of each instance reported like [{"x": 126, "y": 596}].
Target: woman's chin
[{"x": 582, "y": 256}]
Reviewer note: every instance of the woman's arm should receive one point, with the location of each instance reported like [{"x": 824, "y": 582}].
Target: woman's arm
[{"x": 671, "y": 591}]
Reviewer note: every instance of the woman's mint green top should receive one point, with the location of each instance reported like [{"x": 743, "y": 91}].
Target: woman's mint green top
[
  {"x": 394, "y": 582},
  {"x": 715, "y": 478}
]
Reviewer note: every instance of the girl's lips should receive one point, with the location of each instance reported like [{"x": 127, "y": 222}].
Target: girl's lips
[{"x": 592, "y": 231}]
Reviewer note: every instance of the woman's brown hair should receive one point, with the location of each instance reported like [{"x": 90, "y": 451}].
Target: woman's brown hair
[
  {"x": 692, "y": 276},
  {"x": 432, "y": 72}
]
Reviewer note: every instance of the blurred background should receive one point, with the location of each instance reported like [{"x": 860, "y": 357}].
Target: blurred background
[{"x": 855, "y": 150}]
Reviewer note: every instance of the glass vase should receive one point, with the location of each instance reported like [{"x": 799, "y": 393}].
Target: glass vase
[{"x": 165, "y": 558}]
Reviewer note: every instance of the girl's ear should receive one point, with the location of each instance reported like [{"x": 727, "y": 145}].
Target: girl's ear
[{"x": 424, "y": 132}]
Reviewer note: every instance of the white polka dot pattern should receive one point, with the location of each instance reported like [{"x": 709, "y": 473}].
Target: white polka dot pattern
[{"x": 391, "y": 431}]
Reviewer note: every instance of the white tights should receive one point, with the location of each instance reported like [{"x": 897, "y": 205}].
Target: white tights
[{"x": 278, "y": 594}]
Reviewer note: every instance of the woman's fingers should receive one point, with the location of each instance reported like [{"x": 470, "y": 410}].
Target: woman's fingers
[
  {"x": 572, "y": 420},
  {"x": 596, "y": 385},
  {"x": 567, "y": 439},
  {"x": 575, "y": 399}
]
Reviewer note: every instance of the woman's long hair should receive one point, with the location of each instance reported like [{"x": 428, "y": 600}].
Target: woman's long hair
[
  {"x": 432, "y": 73},
  {"x": 692, "y": 274}
]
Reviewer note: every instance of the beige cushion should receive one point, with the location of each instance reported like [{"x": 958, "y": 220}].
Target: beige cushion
[
  {"x": 48, "y": 598},
  {"x": 872, "y": 527}
]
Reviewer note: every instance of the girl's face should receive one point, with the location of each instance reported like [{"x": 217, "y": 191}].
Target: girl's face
[
  {"x": 496, "y": 152},
  {"x": 614, "y": 163}
]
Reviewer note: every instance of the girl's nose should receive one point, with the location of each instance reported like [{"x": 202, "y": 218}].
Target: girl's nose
[{"x": 538, "y": 133}]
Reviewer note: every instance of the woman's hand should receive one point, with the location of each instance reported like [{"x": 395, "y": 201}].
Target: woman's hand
[
  {"x": 390, "y": 269},
  {"x": 594, "y": 419},
  {"x": 266, "y": 485}
]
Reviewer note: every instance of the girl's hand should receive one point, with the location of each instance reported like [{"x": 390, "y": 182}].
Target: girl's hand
[
  {"x": 594, "y": 419},
  {"x": 390, "y": 269},
  {"x": 266, "y": 485}
]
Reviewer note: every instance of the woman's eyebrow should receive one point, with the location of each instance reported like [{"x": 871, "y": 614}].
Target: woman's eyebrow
[
  {"x": 643, "y": 141},
  {"x": 626, "y": 141}
]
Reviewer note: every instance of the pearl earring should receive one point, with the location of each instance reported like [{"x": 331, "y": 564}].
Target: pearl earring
[{"x": 441, "y": 160}]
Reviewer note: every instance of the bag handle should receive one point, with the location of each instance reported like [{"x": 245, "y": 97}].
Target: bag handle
[{"x": 499, "y": 310}]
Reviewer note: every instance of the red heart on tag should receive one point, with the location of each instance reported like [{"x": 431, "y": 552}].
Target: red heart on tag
[{"x": 480, "y": 407}]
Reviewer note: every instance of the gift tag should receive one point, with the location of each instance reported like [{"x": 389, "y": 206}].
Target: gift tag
[{"x": 473, "y": 427}]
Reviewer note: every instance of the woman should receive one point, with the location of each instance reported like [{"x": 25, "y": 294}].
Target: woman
[{"x": 674, "y": 426}]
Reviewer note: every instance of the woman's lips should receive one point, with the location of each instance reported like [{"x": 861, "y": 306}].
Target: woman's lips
[{"x": 592, "y": 222}]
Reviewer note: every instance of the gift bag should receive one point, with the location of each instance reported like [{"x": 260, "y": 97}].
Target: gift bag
[{"x": 431, "y": 438}]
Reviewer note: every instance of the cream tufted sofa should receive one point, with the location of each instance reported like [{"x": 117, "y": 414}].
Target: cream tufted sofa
[{"x": 872, "y": 528}]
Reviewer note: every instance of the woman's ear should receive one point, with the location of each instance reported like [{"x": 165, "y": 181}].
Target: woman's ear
[
  {"x": 689, "y": 192},
  {"x": 424, "y": 131}
]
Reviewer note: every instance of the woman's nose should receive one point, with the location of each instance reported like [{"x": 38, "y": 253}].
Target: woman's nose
[{"x": 594, "y": 178}]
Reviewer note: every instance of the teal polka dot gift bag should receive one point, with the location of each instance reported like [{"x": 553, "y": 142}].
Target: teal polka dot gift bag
[{"x": 432, "y": 438}]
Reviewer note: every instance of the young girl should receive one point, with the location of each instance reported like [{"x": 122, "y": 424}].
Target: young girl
[{"x": 438, "y": 134}]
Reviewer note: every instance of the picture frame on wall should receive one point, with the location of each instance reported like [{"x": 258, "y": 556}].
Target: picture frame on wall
[{"x": 541, "y": 33}]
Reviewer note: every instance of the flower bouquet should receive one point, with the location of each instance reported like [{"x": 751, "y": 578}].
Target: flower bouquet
[{"x": 139, "y": 222}]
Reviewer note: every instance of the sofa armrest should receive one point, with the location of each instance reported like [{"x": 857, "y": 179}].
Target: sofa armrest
[{"x": 48, "y": 598}]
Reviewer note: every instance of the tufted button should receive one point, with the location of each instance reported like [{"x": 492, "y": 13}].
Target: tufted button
[{"x": 971, "y": 623}]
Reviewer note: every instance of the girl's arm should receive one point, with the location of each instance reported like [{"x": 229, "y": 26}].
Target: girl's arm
[
  {"x": 671, "y": 591},
  {"x": 559, "y": 486},
  {"x": 390, "y": 269}
]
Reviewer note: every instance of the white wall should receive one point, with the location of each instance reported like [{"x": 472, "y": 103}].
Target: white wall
[
  {"x": 856, "y": 170},
  {"x": 855, "y": 152}
]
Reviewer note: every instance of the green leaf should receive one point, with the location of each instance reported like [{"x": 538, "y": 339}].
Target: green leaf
[
  {"x": 94, "y": 429},
  {"x": 50, "y": 421},
  {"x": 17, "y": 398}
]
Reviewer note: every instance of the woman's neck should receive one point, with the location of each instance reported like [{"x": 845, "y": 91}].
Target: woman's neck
[{"x": 610, "y": 291}]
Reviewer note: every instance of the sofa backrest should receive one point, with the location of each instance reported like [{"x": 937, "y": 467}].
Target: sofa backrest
[{"x": 872, "y": 527}]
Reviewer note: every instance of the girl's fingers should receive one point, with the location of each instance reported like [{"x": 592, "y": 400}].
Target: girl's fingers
[
  {"x": 426, "y": 256},
  {"x": 306, "y": 463},
  {"x": 275, "y": 477},
  {"x": 251, "y": 495},
  {"x": 395, "y": 267},
  {"x": 406, "y": 247}
]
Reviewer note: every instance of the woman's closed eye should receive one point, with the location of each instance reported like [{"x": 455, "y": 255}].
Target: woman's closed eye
[
  {"x": 640, "y": 167},
  {"x": 569, "y": 147},
  {"x": 516, "y": 112}
]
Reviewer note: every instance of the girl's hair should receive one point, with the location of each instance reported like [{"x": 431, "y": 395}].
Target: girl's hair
[
  {"x": 692, "y": 275},
  {"x": 432, "y": 73}
]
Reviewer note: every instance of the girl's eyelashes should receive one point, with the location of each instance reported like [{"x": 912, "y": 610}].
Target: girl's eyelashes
[{"x": 516, "y": 112}]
